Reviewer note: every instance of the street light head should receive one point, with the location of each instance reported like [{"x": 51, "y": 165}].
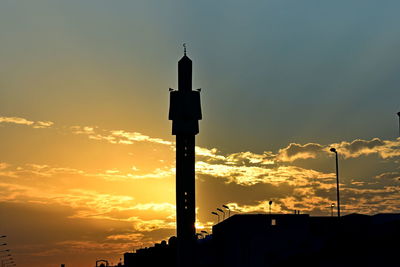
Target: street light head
[
  {"x": 398, "y": 114},
  {"x": 214, "y": 213},
  {"x": 333, "y": 150},
  {"x": 225, "y": 206},
  {"x": 270, "y": 202},
  {"x": 220, "y": 210},
  {"x": 333, "y": 205}
]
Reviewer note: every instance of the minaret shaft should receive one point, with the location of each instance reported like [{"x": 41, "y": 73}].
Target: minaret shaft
[{"x": 185, "y": 186}]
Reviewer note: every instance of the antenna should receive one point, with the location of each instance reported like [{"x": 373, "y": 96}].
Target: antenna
[{"x": 184, "y": 48}]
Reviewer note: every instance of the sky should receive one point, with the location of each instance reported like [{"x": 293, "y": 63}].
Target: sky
[{"x": 87, "y": 159}]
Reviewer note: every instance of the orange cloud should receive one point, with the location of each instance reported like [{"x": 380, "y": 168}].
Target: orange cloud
[
  {"x": 251, "y": 175},
  {"x": 117, "y": 136},
  {"x": 23, "y": 121},
  {"x": 16, "y": 120}
]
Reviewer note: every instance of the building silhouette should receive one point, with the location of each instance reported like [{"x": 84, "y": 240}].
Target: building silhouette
[
  {"x": 279, "y": 240},
  {"x": 185, "y": 113}
]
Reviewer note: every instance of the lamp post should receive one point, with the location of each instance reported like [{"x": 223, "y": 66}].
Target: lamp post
[
  {"x": 398, "y": 114},
  {"x": 223, "y": 213},
  {"x": 332, "y": 205},
  {"x": 215, "y": 214},
  {"x": 229, "y": 210},
  {"x": 337, "y": 180},
  {"x": 199, "y": 234},
  {"x": 270, "y": 204}
]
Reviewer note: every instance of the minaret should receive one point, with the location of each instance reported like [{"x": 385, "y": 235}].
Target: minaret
[{"x": 185, "y": 113}]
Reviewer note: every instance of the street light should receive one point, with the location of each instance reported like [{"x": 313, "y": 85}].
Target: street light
[
  {"x": 229, "y": 210},
  {"x": 270, "y": 204},
  {"x": 199, "y": 234},
  {"x": 204, "y": 232},
  {"x": 398, "y": 114},
  {"x": 332, "y": 205},
  {"x": 337, "y": 180},
  {"x": 215, "y": 214},
  {"x": 223, "y": 212}
]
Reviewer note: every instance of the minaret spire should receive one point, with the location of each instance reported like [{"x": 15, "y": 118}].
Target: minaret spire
[{"x": 184, "y": 49}]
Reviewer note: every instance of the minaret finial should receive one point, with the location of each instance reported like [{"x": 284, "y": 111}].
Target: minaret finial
[{"x": 184, "y": 48}]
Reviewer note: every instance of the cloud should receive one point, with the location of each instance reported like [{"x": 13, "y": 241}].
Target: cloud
[
  {"x": 267, "y": 158},
  {"x": 296, "y": 151},
  {"x": 297, "y": 176},
  {"x": 251, "y": 175},
  {"x": 209, "y": 154},
  {"x": 355, "y": 198},
  {"x": 118, "y": 175},
  {"x": 129, "y": 236},
  {"x": 23, "y": 121},
  {"x": 383, "y": 148},
  {"x": 138, "y": 137},
  {"x": 87, "y": 204},
  {"x": 389, "y": 175},
  {"x": 43, "y": 170},
  {"x": 117, "y": 136},
  {"x": 77, "y": 246},
  {"x": 16, "y": 120},
  {"x": 36, "y": 170},
  {"x": 43, "y": 124},
  {"x": 354, "y": 149}
]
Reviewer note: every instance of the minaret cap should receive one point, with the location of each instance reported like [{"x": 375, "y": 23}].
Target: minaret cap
[{"x": 185, "y": 59}]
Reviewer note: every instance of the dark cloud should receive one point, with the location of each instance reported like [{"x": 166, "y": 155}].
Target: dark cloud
[
  {"x": 297, "y": 151},
  {"x": 358, "y": 145},
  {"x": 389, "y": 175},
  {"x": 383, "y": 148}
]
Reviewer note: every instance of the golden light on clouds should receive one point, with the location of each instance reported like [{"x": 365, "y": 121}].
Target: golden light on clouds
[{"x": 126, "y": 193}]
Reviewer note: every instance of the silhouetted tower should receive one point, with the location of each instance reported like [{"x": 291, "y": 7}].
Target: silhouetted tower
[{"x": 185, "y": 113}]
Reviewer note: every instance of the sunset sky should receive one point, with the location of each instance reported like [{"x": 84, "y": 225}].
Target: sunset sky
[{"x": 86, "y": 153}]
